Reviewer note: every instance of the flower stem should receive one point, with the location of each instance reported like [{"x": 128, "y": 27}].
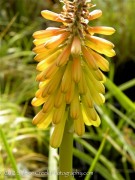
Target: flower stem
[
  {"x": 66, "y": 153},
  {"x": 11, "y": 157}
]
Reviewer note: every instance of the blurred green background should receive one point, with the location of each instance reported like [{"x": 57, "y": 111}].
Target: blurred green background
[{"x": 29, "y": 145}]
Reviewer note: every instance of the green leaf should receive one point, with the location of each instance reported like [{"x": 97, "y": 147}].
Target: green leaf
[{"x": 120, "y": 96}]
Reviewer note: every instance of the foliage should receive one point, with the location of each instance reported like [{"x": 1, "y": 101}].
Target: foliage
[{"x": 29, "y": 146}]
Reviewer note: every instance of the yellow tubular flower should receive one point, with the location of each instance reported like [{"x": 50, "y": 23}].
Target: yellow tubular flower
[
  {"x": 59, "y": 98},
  {"x": 101, "y": 30},
  {"x": 59, "y": 114},
  {"x": 49, "y": 32},
  {"x": 76, "y": 69},
  {"x": 70, "y": 63},
  {"x": 75, "y": 106},
  {"x": 79, "y": 125},
  {"x": 70, "y": 93},
  {"x": 94, "y": 14}
]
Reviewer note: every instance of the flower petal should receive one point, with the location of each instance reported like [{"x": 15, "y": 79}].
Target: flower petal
[
  {"x": 100, "y": 42},
  {"x": 51, "y": 16},
  {"x": 89, "y": 58},
  {"x": 59, "y": 98},
  {"x": 98, "y": 75},
  {"x": 76, "y": 69},
  {"x": 59, "y": 114},
  {"x": 66, "y": 79},
  {"x": 49, "y": 32},
  {"x": 97, "y": 97},
  {"x": 87, "y": 99},
  {"x": 45, "y": 122},
  {"x": 64, "y": 56},
  {"x": 82, "y": 85},
  {"x": 101, "y": 61},
  {"x": 38, "y": 101},
  {"x": 89, "y": 121},
  {"x": 79, "y": 126},
  {"x": 95, "y": 14},
  {"x": 75, "y": 105},
  {"x": 91, "y": 80},
  {"x": 100, "y": 49},
  {"x": 40, "y": 49},
  {"x": 42, "y": 65},
  {"x": 76, "y": 46},
  {"x": 40, "y": 117},
  {"x": 70, "y": 93},
  {"x": 55, "y": 41},
  {"x": 57, "y": 135},
  {"x": 47, "y": 73},
  {"x": 90, "y": 112},
  {"x": 48, "y": 105},
  {"x": 101, "y": 30},
  {"x": 38, "y": 42}
]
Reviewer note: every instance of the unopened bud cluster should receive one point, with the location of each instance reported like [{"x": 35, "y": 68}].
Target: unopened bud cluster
[{"x": 70, "y": 65}]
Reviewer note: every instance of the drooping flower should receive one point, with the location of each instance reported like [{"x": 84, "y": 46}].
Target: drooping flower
[{"x": 70, "y": 65}]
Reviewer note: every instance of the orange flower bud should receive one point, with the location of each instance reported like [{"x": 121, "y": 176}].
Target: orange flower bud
[
  {"x": 76, "y": 46},
  {"x": 94, "y": 14},
  {"x": 101, "y": 30},
  {"x": 51, "y": 16}
]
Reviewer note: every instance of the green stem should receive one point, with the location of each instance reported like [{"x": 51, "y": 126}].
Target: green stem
[
  {"x": 10, "y": 155},
  {"x": 90, "y": 171},
  {"x": 66, "y": 154},
  {"x": 125, "y": 168}
]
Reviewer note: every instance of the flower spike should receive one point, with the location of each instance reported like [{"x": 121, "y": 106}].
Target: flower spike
[{"x": 71, "y": 68}]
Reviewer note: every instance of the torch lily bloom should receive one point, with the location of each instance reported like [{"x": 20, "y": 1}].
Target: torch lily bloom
[{"x": 70, "y": 65}]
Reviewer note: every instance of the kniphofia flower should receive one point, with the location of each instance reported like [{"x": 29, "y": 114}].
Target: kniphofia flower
[{"x": 70, "y": 65}]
